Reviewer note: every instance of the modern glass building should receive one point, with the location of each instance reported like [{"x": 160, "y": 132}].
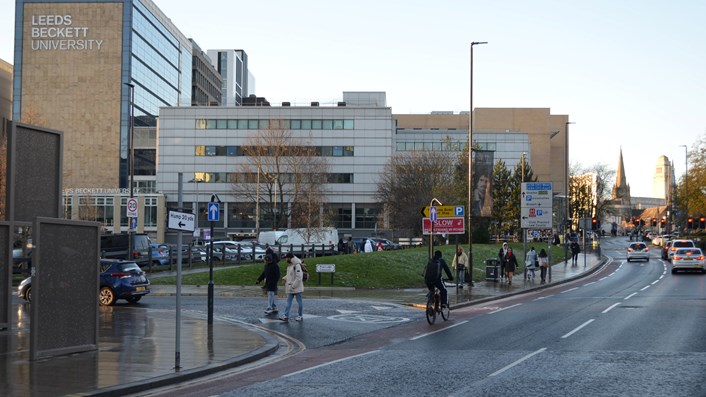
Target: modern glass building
[{"x": 76, "y": 63}]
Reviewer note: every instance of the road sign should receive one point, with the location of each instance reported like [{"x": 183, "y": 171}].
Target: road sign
[
  {"x": 536, "y": 205},
  {"x": 444, "y": 211},
  {"x": 132, "y": 207},
  {"x": 444, "y": 225},
  {"x": 183, "y": 221},
  {"x": 214, "y": 210},
  {"x": 432, "y": 214}
]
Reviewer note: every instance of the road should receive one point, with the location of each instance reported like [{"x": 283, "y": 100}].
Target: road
[{"x": 630, "y": 329}]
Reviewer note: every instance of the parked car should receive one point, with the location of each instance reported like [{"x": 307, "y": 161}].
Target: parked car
[
  {"x": 197, "y": 254},
  {"x": 688, "y": 259},
  {"x": 160, "y": 254},
  {"x": 676, "y": 244},
  {"x": 638, "y": 251},
  {"x": 665, "y": 249},
  {"x": 387, "y": 245},
  {"x": 116, "y": 246},
  {"x": 119, "y": 279}
]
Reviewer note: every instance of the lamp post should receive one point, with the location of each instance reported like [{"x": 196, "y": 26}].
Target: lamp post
[
  {"x": 470, "y": 167},
  {"x": 686, "y": 184},
  {"x": 130, "y": 162},
  {"x": 567, "y": 216}
]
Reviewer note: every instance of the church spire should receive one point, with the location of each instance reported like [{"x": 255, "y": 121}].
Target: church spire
[{"x": 621, "y": 190}]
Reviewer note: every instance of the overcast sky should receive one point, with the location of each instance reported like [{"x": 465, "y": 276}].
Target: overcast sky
[{"x": 629, "y": 73}]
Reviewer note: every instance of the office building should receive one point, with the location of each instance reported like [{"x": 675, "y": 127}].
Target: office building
[{"x": 238, "y": 82}]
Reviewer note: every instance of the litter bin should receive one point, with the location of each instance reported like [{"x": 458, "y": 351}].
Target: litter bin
[{"x": 492, "y": 269}]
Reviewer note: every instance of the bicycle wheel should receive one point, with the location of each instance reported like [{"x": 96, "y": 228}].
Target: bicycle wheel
[
  {"x": 445, "y": 312},
  {"x": 431, "y": 313}
]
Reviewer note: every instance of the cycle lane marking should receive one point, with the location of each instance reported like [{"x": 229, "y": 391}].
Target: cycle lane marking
[{"x": 577, "y": 329}]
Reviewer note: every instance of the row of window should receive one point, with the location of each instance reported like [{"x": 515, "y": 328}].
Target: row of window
[
  {"x": 102, "y": 209},
  {"x": 284, "y": 124},
  {"x": 442, "y": 146},
  {"x": 232, "y": 151},
  {"x": 252, "y": 177}
]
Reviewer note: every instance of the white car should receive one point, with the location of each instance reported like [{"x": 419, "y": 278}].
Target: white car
[
  {"x": 676, "y": 244},
  {"x": 638, "y": 250},
  {"x": 688, "y": 259}
]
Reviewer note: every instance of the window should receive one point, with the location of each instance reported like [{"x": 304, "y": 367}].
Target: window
[
  {"x": 200, "y": 124},
  {"x": 306, "y": 124},
  {"x": 327, "y": 124},
  {"x": 338, "y": 151},
  {"x": 337, "y": 124},
  {"x": 263, "y": 124},
  {"x": 365, "y": 218},
  {"x": 348, "y": 151},
  {"x": 242, "y": 124},
  {"x": 150, "y": 211},
  {"x": 296, "y": 124},
  {"x": 221, "y": 124},
  {"x": 232, "y": 124},
  {"x": 316, "y": 124},
  {"x": 232, "y": 151},
  {"x": 211, "y": 124},
  {"x": 348, "y": 124},
  {"x": 343, "y": 217},
  {"x": 253, "y": 124}
]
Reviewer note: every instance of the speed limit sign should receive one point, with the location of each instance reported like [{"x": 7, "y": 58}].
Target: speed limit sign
[{"x": 132, "y": 207}]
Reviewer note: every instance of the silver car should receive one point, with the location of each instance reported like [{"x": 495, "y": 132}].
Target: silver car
[
  {"x": 688, "y": 259},
  {"x": 638, "y": 251}
]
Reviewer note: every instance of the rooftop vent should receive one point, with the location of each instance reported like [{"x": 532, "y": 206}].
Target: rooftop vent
[
  {"x": 286, "y": 104},
  {"x": 341, "y": 104},
  {"x": 314, "y": 104}
]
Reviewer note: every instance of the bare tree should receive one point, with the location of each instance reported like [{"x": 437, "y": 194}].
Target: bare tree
[
  {"x": 284, "y": 177},
  {"x": 410, "y": 181}
]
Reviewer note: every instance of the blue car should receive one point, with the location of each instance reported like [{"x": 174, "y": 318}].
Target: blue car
[
  {"x": 160, "y": 254},
  {"x": 119, "y": 279}
]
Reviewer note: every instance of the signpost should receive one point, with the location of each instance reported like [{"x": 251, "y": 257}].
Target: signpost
[
  {"x": 214, "y": 210},
  {"x": 181, "y": 221},
  {"x": 536, "y": 205}
]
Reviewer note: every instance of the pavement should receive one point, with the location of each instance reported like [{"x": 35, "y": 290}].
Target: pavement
[{"x": 137, "y": 347}]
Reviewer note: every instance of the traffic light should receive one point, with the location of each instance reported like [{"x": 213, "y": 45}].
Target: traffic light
[
  {"x": 654, "y": 222},
  {"x": 690, "y": 223},
  {"x": 594, "y": 223},
  {"x": 662, "y": 222},
  {"x": 702, "y": 222}
]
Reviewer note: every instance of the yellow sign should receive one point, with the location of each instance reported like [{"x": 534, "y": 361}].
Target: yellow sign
[{"x": 445, "y": 211}]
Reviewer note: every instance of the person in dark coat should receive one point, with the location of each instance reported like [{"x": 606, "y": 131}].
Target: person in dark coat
[
  {"x": 501, "y": 259},
  {"x": 437, "y": 281},
  {"x": 271, "y": 276},
  {"x": 510, "y": 265},
  {"x": 575, "y": 250}
]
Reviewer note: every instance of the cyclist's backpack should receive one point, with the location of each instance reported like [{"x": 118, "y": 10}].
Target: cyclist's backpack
[
  {"x": 305, "y": 272},
  {"x": 433, "y": 270}
]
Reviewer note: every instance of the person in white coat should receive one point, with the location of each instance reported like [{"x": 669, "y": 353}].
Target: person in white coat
[
  {"x": 368, "y": 246},
  {"x": 293, "y": 286}
]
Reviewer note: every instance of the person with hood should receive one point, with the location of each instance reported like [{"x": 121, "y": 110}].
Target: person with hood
[
  {"x": 432, "y": 276},
  {"x": 510, "y": 265},
  {"x": 294, "y": 286},
  {"x": 271, "y": 276},
  {"x": 368, "y": 246},
  {"x": 531, "y": 263}
]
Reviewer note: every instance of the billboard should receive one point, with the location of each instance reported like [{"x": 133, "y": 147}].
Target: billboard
[{"x": 483, "y": 182}]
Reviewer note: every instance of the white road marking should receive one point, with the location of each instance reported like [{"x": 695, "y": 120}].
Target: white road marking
[
  {"x": 347, "y": 311},
  {"x": 644, "y": 288},
  {"x": 592, "y": 282},
  {"x": 569, "y": 290},
  {"x": 438, "y": 330},
  {"x": 504, "y": 308},
  {"x": 630, "y": 296},
  {"x": 609, "y": 309},
  {"x": 577, "y": 328},
  {"x": 329, "y": 363},
  {"x": 603, "y": 278},
  {"x": 501, "y": 370}
]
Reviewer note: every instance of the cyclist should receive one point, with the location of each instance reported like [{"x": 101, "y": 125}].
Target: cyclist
[{"x": 432, "y": 276}]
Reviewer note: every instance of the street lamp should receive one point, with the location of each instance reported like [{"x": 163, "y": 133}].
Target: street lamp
[
  {"x": 686, "y": 183},
  {"x": 470, "y": 167},
  {"x": 130, "y": 162},
  {"x": 567, "y": 216}
]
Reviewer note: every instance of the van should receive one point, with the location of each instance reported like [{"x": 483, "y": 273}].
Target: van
[
  {"x": 320, "y": 241},
  {"x": 269, "y": 238},
  {"x": 116, "y": 246}
]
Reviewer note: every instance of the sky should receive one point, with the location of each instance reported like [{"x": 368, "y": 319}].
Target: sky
[{"x": 629, "y": 73}]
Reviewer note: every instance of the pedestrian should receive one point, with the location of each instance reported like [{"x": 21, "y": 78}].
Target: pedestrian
[
  {"x": 350, "y": 246},
  {"x": 501, "y": 256},
  {"x": 368, "y": 246},
  {"x": 341, "y": 247},
  {"x": 271, "y": 276},
  {"x": 275, "y": 257},
  {"x": 380, "y": 247},
  {"x": 543, "y": 265},
  {"x": 530, "y": 263},
  {"x": 459, "y": 264},
  {"x": 294, "y": 286},
  {"x": 575, "y": 250},
  {"x": 510, "y": 265}
]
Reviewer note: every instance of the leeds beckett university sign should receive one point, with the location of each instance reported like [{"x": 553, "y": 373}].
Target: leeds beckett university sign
[{"x": 56, "y": 32}]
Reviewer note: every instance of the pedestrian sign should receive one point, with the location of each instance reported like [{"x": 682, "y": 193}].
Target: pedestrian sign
[{"x": 214, "y": 210}]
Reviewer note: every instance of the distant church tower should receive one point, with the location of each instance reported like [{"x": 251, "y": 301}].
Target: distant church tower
[
  {"x": 663, "y": 177},
  {"x": 621, "y": 190}
]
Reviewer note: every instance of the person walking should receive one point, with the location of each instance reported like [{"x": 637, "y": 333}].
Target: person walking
[
  {"x": 530, "y": 263},
  {"x": 294, "y": 286},
  {"x": 341, "y": 247},
  {"x": 501, "y": 256},
  {"x": 575, "y": 250},
  {"x": 543, "y": 265},
  {"x": 271, "y": 276},
  {"x": 459, "y": 263},
  {"x": 350, "y": 248},
  {"x": 510, "y": 265},
  {"x": 368, "y": 246}
]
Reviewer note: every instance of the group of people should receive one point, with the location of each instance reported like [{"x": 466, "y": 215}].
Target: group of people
[
  {"x": 533, "y": 260},
  {"x": 293, "y": 283},
  {"x": 349, "y": 247}
]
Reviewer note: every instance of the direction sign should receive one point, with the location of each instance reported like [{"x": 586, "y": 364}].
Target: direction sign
[
  {"x": 214, "y": 210},
  {"x": 454, "y": 225},
  {"x": 536, "y": 205},
  {"x": 432, "y": 214},
  {"x": 183, "y": 221},
  {"x": 444, "y": 211},
  {"x": 132, "y": 207}
]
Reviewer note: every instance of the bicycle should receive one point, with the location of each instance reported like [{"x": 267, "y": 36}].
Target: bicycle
[{"x": 434, "y": 307}]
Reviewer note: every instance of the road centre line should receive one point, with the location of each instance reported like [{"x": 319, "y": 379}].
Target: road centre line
[
  {"x": 630, "y": 296},
  {"x": 577, "y": 328},
  {"x": 610, "y": 308},
  {"x": 569, "y": 290},
  {"x": 644, "y": 288},
  {"x": 501, "y": 370},
  {"x": 329, "y": 363},
  {"x": 504, "y": 308},
  {"x": 655, "y": 282},
  {"x": 438, "y": 330}
]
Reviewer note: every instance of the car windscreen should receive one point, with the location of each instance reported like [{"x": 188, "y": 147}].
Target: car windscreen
[
  {"x": 689, "y": 251},
  {"x": 679, "y": 244},
  {"x": 128, "y": 267}
]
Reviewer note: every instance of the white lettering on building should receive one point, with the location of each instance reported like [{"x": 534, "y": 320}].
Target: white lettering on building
[{"x": 55, "y": 32}]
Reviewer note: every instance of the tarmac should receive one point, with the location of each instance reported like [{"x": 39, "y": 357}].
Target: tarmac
[{"x": 137, "y": 350}]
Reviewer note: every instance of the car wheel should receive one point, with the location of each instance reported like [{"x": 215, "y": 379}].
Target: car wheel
[
  {"x": 106, "y": 296},
  {"x": 134, "y": 299},
  {"x": 628, "y": 259},
  {"x": 674, "y": 271},
  {"x": 28, "y": 294}
]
